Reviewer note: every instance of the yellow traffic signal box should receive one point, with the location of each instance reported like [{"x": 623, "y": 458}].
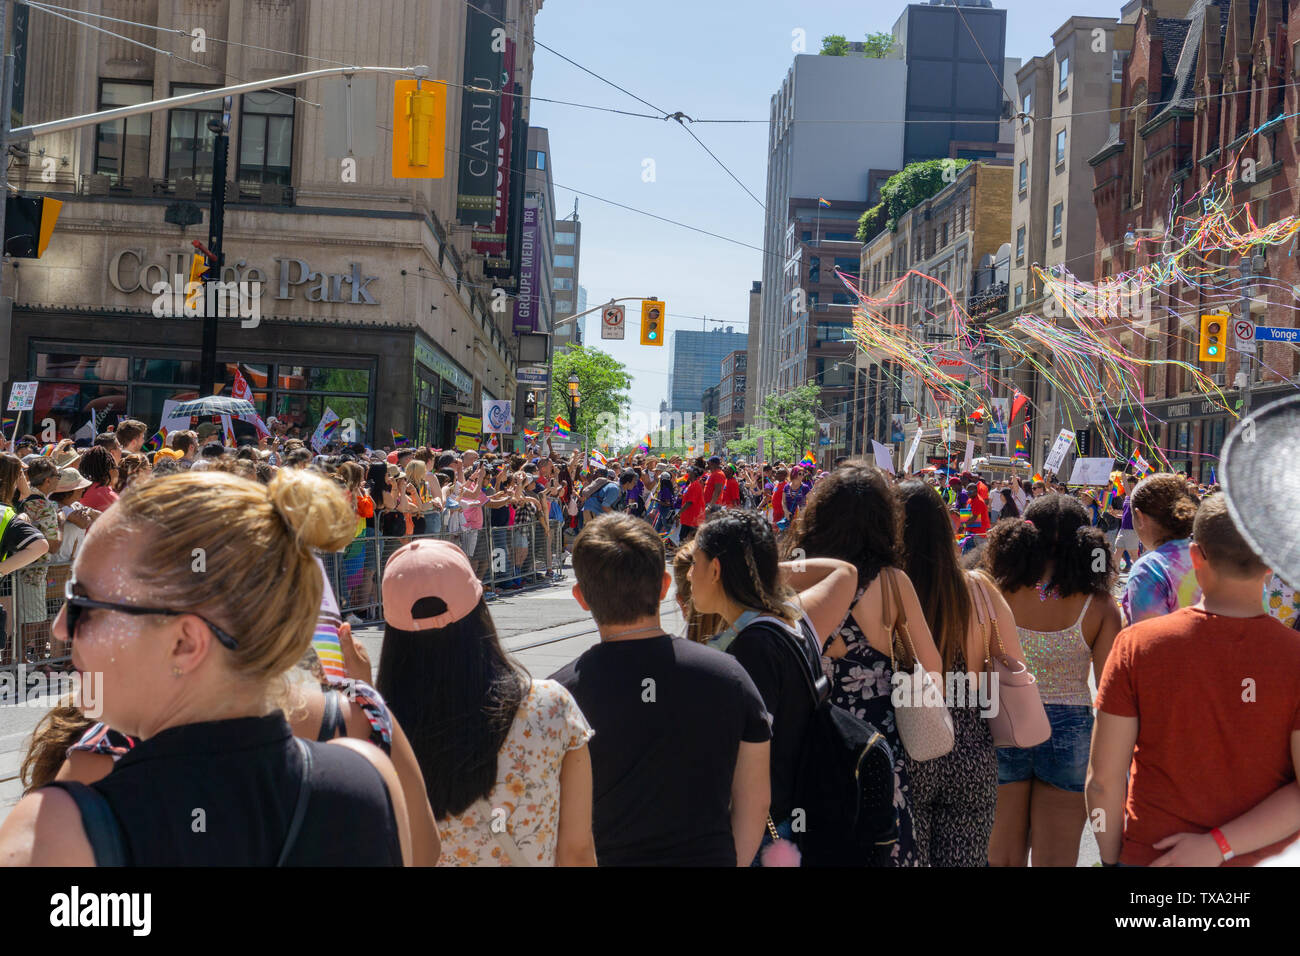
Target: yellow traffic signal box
[
  {"x": 419, "y": 130},
  {"x": 652, "y": 322}
]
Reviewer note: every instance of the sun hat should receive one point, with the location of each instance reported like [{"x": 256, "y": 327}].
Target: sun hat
[
  {"x": 1257, "y": 471},
  {"x": 429, "y": 569},
  {"x": 70, "y": 480}
]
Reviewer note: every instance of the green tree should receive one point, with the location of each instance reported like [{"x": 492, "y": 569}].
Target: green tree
[
  {"x": 837, "y": 44},
  {"x": 916, "y": 183},
  {"x": 603, "y": 384},
  {"x": 787, "y": 425},
  {"x": 878, "y": 45}
]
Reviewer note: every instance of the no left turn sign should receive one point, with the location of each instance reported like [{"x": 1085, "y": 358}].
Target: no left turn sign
[{"x": 1244, "y": 330}]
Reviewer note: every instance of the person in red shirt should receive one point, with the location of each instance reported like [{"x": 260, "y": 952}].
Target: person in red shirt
[
  {"x": 731, "y": 494},
  {"x": 692, "y": 506},
  {"x": 979, "y": 508},
  {"x": 1200, "y": 710},
  {"x": 778, "y": 496},
  {"x": 717, "y": 482}
]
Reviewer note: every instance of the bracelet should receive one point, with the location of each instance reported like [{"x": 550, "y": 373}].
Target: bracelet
[{"x": 1224, "y": 847}]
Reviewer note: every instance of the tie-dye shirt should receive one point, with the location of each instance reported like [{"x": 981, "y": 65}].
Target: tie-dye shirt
[{"x": 1160, "y": 582}]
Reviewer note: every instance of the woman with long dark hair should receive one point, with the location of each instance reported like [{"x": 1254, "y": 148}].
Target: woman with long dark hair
[
  {"x": 852, "y": 515},
  {"x": 1056, "y": 572},
  {"x": 736, "y": 574},
  {"x": 1009, "y": 507},
  {"x": 954, "y": 796},
  {"x": 504, "y": 757}
]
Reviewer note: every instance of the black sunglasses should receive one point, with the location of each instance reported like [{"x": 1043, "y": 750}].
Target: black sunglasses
[{"x": 77, "y": 603}]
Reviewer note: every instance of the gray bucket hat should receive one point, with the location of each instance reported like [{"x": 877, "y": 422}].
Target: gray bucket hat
[{"x": 1258, "y": 476}]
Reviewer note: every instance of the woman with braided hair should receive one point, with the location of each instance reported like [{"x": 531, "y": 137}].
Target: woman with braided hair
[{"x": 771, "y": 610}]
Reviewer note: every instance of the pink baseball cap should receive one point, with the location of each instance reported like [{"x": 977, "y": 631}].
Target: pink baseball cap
[{"x": 429, "y": 569}]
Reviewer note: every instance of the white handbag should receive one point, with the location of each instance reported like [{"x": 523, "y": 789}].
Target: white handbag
[{"x": 924, "y": 724}]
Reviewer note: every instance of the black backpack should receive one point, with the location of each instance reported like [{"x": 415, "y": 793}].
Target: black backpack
[{"x": 844, "y": 782}]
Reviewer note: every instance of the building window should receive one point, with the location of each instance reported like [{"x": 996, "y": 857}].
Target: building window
[
  {"x": 1027, "y": 107},
  {"x": 563, "y": 306},
  {"x": 839, "y": 298},
  {"x": 1024, "y": 175},
  {"x": 1060, "y": 147},
  {"x": 190, "y": 143},
  {"x": 1020, "y": 244},
  {"x": 805, "y": 236},
  {"x": 1058, "y": 213},
  {"x": 266, "y": 138},
  {"x": 1020, "y": 293},
  {"x": 1117, "y": 61},
  {"x": 1064, "y": 79},
  {"x": 122, "y": 146},
  {"x": 815, "y": 269},
  {"x": 943, "y": 235},
  {"x": 840, "y": 237},
  {"x": 848, "y": 264},
  {"x": 536, "y": 159},
  {"x": 1139, "y": 147},
  {"x": 563, "y": 262},
  {"x": 562, "y": 283},
  {"x": 564, "y": 238}
]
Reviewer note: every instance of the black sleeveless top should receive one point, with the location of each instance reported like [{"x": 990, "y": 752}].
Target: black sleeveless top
[{"x": 223, "y": 794}]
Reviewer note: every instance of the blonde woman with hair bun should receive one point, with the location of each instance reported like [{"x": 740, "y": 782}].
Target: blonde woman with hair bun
[{"x": 189, "y": 602}]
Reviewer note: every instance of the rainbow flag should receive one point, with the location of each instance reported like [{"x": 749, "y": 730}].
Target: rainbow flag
[
  {"x": 1140, "y": 465},
  {"x": 808, "y": 459},
  {"x": 1020, "y": 450},
  {"x": 529, "y": 433},
  {"x": 562, "y": 427},
  {"x": 683, "y": 480},
  {"x": 158, "y": 442},
  {"x": 599, "y": 459},
  {"x": 398, "y": 438},
  {"x": 8, "y": 423},
  {"x": 1037, "y": 477},
  {"x": 824, "y": 203}
]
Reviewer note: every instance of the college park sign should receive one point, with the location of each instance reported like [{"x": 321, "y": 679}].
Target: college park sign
[{"x": 129, "y": 273}]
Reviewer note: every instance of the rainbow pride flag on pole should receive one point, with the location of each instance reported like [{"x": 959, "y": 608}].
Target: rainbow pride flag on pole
[
  {"x": 562, "y": 427},
  {"x": 808, "y": 459},
  {"x": 399, "y": 439},
  {"x": 529, "y": 433},
  {"x": 1140, "y": 465}
]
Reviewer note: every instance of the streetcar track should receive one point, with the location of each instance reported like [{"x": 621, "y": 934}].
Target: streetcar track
[{"x": 671, "y": 602}]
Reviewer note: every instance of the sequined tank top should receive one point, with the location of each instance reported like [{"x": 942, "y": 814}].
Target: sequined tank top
[{"x": 1059, "y": 661}]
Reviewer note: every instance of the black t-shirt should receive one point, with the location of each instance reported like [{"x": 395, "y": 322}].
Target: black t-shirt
[
  {"x": 17, "y": 536},
  {"x": 664, "y": 753},
  {"x": 776, "y": 673}
]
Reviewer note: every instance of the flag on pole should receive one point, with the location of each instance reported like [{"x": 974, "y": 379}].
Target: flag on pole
[
  {"x": 599, "y": 459},
  {"x": 241, "y": 389},
  {"x": 228, "y": 431},
  {"x": 562, "y": 427},
  {"x": 824, "y": 203},
  {"x": 1141, "y": 465},
  {"x": 158, "y": 442},
  {"x": 399, "y": 439},
  {"x": 529, "y": 433}
]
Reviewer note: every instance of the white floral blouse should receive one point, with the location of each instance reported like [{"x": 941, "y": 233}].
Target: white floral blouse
[{"x": 526, "y": 797}]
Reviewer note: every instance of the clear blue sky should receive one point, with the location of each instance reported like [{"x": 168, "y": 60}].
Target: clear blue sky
[{"x": 709, "y": 59}]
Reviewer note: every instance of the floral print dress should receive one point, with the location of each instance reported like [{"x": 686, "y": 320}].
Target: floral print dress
[
  {"x": 861, "y": 683},
  {"x": 526, "y": 798}
]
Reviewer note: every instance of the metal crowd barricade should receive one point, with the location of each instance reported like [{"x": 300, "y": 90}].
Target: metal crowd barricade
[{"x": 32, "y": 598}]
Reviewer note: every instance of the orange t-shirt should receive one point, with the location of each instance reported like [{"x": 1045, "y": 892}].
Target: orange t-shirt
[{"x": 1217, "y": 699}]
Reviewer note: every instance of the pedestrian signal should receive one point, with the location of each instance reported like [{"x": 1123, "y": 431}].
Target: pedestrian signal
[
  {"x": 1213, "y": 335},
  {"x": 652, "y": 322},
  {"x": 419, "y": 130}
]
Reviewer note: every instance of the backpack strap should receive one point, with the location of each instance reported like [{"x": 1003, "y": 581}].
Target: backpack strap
[
  {"x": 99, "y": 821},
  {"x": 332, "y": 723},
  {"x": 300, "y": 807}
]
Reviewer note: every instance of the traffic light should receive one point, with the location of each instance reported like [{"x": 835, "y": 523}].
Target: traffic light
[
  {"x": 1213, "y": 337},
  {"x": 29, "y": 224},
  {"x": 530, "y": 405},
  {"x": 194, "y": 288},
  {"x": 419, "y": 130},
  {"x": 652, "y": 322}
]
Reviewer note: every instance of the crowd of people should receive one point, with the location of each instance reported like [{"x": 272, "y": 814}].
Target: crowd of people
[{"x": 851, "y": 688}]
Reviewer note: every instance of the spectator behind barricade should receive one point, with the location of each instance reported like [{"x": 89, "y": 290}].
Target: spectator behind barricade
[
  {"x": 133, "y": 467},
  {"x": 1056, "y": 573},
  {"x": 98, "y": 466},
  {"x": 682, "y": 781},
  {"x": 1162, "y": 579},
  {"x": 208, "y": 433},
  {"x": 699, "y": 626},
  {"x": 209, "y": 457},
  {"x": 1198, "y": 771},
  {"x": 108, "y": 440},
  {"x": 504, "y": 757},
  {"x": 131, "y": 435},
  {"x": 194, "y": 677},
  {"x": 299, "y": 458},
  {"x": 77, "y": 518}
]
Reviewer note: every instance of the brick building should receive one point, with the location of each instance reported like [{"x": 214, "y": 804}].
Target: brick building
[
  {"x": 733, "y": 393},
  {"x": 1198, "y": 94}
]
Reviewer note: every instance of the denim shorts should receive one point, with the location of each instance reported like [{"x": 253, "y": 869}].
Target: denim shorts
[{"x": 1062, "y": 760}]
